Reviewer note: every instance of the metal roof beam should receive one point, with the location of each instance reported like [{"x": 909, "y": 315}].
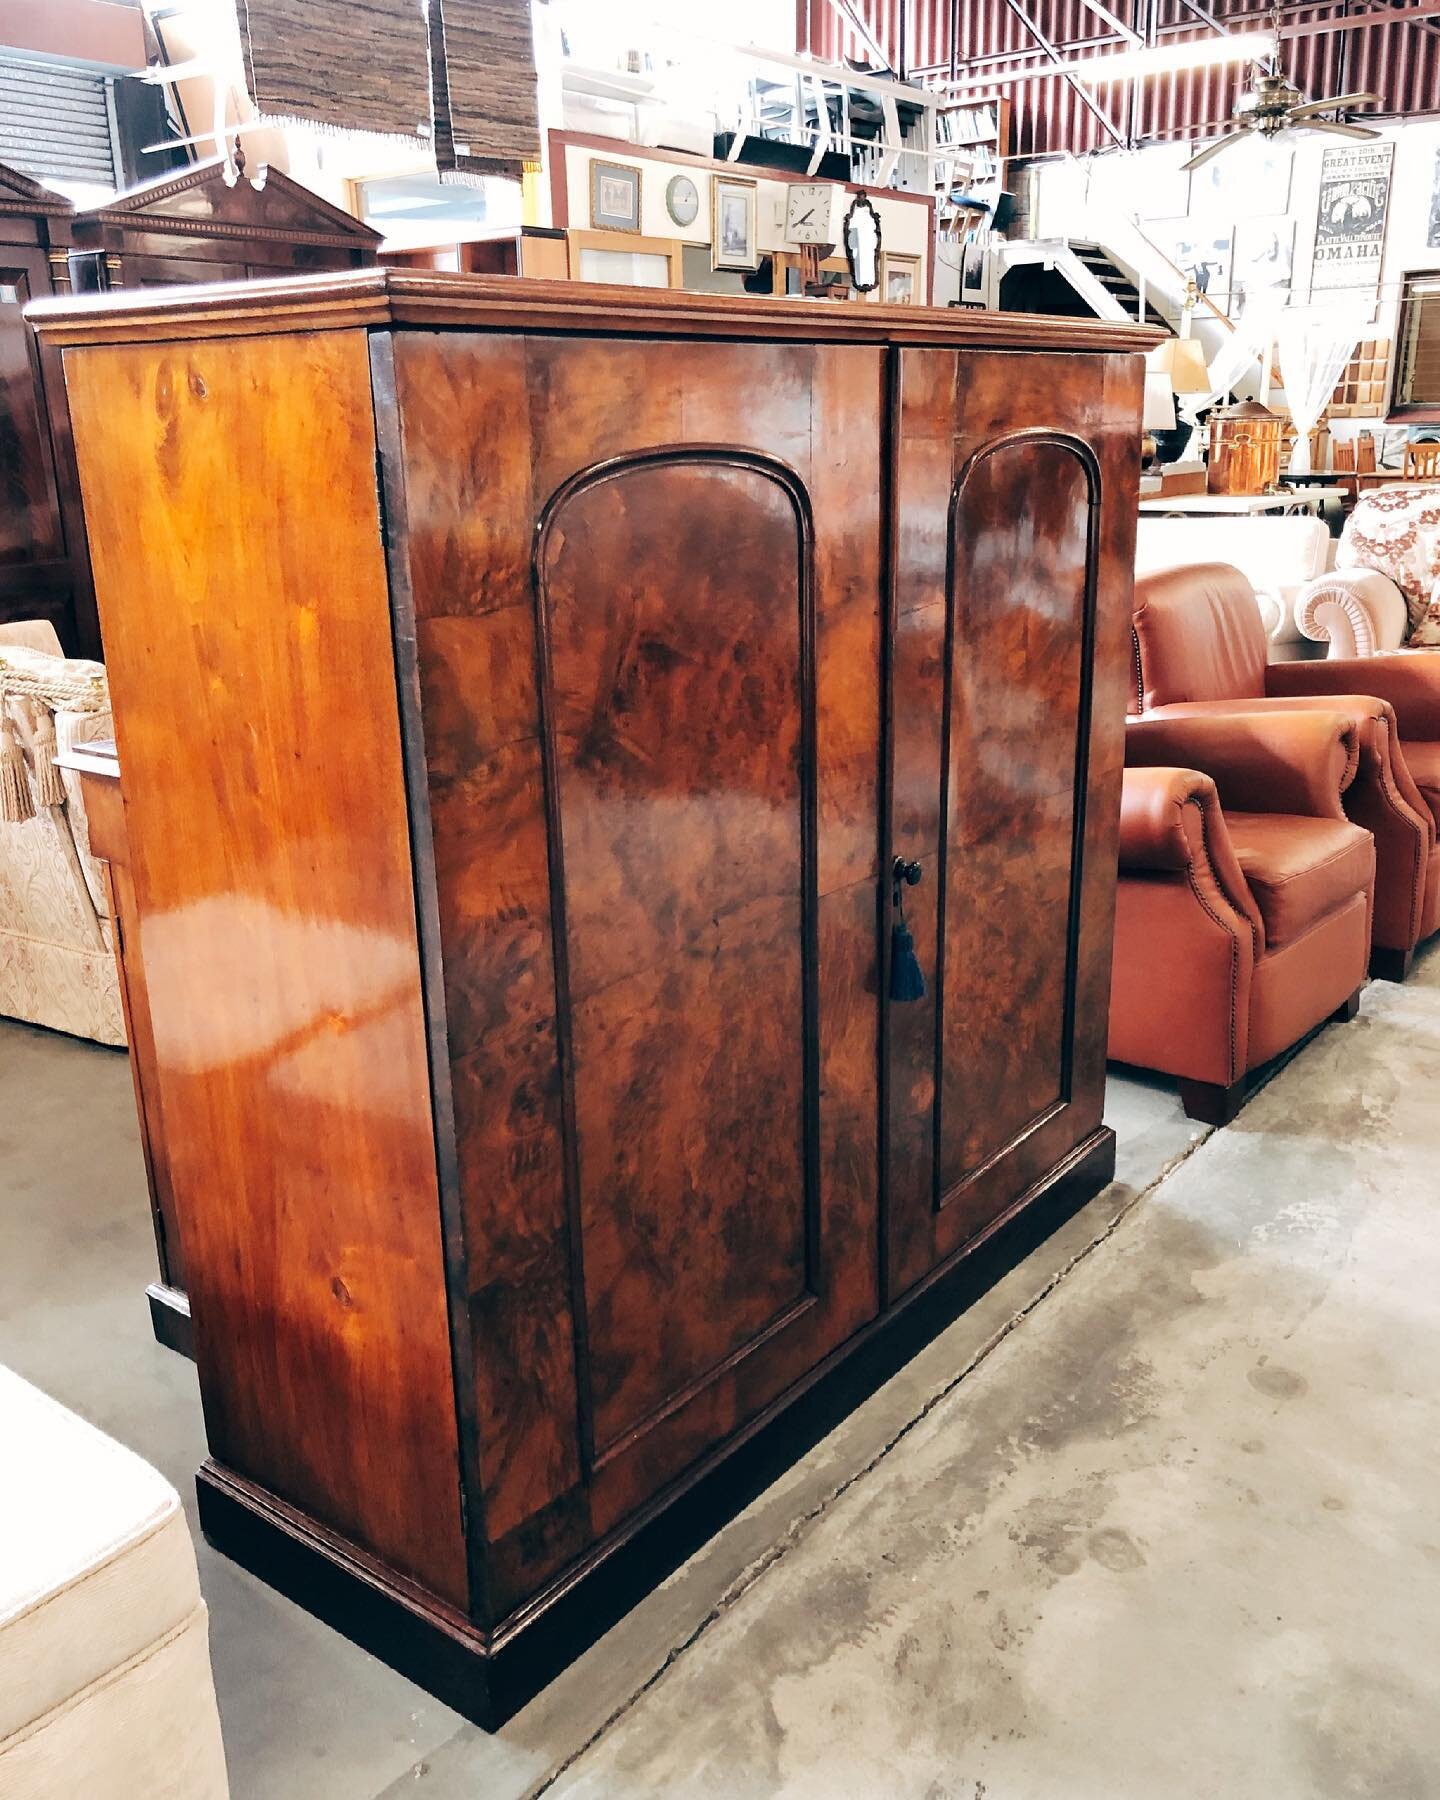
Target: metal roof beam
[
  {"x": 1058, "y": 67},
  {"x": 1104, "y": 13},
  {"x": 974, "y": 85}
]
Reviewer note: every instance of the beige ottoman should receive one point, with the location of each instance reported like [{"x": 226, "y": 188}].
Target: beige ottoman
[{"x": 105, "y": 1687}]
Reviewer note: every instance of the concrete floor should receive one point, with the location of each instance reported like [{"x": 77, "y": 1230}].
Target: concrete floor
[{"x": 1155, "y": 1518}]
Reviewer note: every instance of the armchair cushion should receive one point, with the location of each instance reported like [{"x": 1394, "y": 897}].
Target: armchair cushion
[
  {"x": 1197, "y": 636},
  {"x": 1279, "y": 761},
  {"x": 1299, "y": 869}
]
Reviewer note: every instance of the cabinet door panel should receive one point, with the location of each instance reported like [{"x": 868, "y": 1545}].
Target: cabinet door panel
[
  {"x": 1014, "y": 775},
  {"x": 1007, "y": 712},
  {"x": 647, "y": 599},
  {"x": 680, "y": 719}
]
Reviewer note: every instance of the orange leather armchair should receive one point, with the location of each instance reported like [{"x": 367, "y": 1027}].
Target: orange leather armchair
[
  {"x": 1199, "y": 648},
  {"x": 1237, "y": 931}
]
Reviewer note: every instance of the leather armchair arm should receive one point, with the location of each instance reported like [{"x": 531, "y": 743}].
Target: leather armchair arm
[
  {"x": 1278, "y": 761},
  {"x": 1153, "y": 827},
  {"x": 1357, "y": 612},
  {"x": 1407, "y": 680},
  {"x": 1171, "y": 824}
]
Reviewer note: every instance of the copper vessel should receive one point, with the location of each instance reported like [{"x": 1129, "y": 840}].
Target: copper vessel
[{"x": 1244, "y": 449}]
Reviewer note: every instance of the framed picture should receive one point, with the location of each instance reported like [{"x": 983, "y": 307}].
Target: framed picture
[
  {"x": 614, "y": 197},
  {"x": 733, "y": 242},
  {"x": 1263, "y": 257},
  {"x": 1204, "y": 255},
  {"x": 900, "y": 279},
  {"x": 1350, "y": 227},
  {"x": 1252, "y": 178}
]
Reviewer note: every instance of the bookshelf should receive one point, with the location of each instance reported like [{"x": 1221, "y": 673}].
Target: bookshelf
[{"x": 971, "y": 145}]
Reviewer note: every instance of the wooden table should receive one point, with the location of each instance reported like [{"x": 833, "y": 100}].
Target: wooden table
[{"x": 1291, "y": 501}]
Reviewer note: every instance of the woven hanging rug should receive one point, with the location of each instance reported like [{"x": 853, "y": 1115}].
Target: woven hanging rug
[
  {"x": 344, "y": 65},
  {"x": 483, "y": 80}
]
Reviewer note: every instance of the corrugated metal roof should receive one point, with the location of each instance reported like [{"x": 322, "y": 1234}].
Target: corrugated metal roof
[
  {"x": 54, "y": 122},
  {"x": 1400, "y": 61}
]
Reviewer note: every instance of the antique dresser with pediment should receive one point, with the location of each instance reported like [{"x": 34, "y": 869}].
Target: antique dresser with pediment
[{"x": 526, "y": 694}]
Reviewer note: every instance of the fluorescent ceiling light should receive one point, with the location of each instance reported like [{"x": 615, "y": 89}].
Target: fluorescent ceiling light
[{"x": 1201, "y": 53}]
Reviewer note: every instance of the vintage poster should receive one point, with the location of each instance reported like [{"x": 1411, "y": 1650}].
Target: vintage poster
[{"x": 1350, "y": 229}]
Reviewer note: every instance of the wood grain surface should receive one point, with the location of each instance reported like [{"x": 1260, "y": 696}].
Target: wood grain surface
[
  {"x": 253, "y": 683},
  {"x": 654, "y": 794},
  {"x": 1013, "y": 571}
]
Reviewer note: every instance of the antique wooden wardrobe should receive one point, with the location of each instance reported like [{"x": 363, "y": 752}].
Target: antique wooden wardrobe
[
  {"x": 184, "y": 227},
  {"x": 524, "y": 694},
  {"x": 44, "y": 571}
]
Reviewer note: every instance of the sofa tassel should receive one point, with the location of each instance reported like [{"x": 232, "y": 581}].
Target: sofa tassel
[
  {"x": 907, "y": 978},
  {"x": 17, "y": 803},
  {"x": 49, "y": 788}
]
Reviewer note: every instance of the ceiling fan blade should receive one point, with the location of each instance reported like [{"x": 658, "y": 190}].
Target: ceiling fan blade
[
  {"x": 1336, "y": 129},
  {"x": 1336, "y": 103},
  {"x": 1199, "y": 161}
]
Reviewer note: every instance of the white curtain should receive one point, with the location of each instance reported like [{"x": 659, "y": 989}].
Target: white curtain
[{"x": 1315, "y": 344}]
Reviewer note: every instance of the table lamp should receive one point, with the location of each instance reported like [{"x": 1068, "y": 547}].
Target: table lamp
[{"x": 1183, "y": 361}]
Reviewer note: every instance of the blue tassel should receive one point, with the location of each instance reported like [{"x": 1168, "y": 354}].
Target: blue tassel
[{"x": 907, "y": 978}]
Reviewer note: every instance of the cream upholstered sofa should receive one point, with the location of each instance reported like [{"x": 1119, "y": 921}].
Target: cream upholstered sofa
[
  {"x": 1279, "y": 557},
  {"x": 57, "y": 963},
  {"x": 1384, "y": 590},
  {"x": 105, "y": 1684}
]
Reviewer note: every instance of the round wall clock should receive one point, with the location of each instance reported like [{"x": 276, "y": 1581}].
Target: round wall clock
[{"x": 682, "y": 200}]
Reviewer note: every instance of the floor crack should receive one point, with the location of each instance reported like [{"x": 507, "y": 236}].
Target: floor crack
[{"x": 800, "y": 1527}]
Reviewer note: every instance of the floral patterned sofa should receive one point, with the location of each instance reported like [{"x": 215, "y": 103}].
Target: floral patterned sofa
[
  {"x": 57, "y": 964},
  {"x": 1384, "y": 590}
]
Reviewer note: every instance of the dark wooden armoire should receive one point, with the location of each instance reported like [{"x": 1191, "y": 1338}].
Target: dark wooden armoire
[
  {"x": 526, "y": 692},
  {"x": 195, "y": 226},
  {"x": 44, "y": 571},
  {"x": 179, "y": 228}
]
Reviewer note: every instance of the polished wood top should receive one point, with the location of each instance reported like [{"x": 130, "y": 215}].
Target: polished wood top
[{"x": 380, "y": 297}]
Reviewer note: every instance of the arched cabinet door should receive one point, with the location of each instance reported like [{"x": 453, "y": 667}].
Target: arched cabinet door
[
  {"x": 646, "y": 582},
  {"x": 1006, "y": 719}
]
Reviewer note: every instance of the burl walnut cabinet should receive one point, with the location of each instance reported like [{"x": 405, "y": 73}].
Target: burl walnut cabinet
[{"x": 523, "y": 691}]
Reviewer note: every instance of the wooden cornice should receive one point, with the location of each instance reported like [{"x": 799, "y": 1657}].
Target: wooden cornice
[
  {"x": 20, "y": 194},
  {"x": 143, "y": 208},
  {"x": 371, "y": 298}
]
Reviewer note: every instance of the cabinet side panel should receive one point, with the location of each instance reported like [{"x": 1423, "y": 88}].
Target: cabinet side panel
[{"x": 231, "y": 498}]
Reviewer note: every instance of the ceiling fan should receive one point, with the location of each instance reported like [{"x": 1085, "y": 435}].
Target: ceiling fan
[{"x": 1274, "y": 104}]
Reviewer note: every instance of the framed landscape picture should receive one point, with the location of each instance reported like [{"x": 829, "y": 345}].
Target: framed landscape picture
[
  {"x": 733, "y": 241},
  {"x": 614, "y": 196}
]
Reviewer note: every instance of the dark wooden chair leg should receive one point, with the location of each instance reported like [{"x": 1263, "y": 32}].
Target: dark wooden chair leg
[
  {"x": 1210, "y": 1103},
  {"x": 1390, "y": 965},
  {"x": 1347, "y": 1009}
]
